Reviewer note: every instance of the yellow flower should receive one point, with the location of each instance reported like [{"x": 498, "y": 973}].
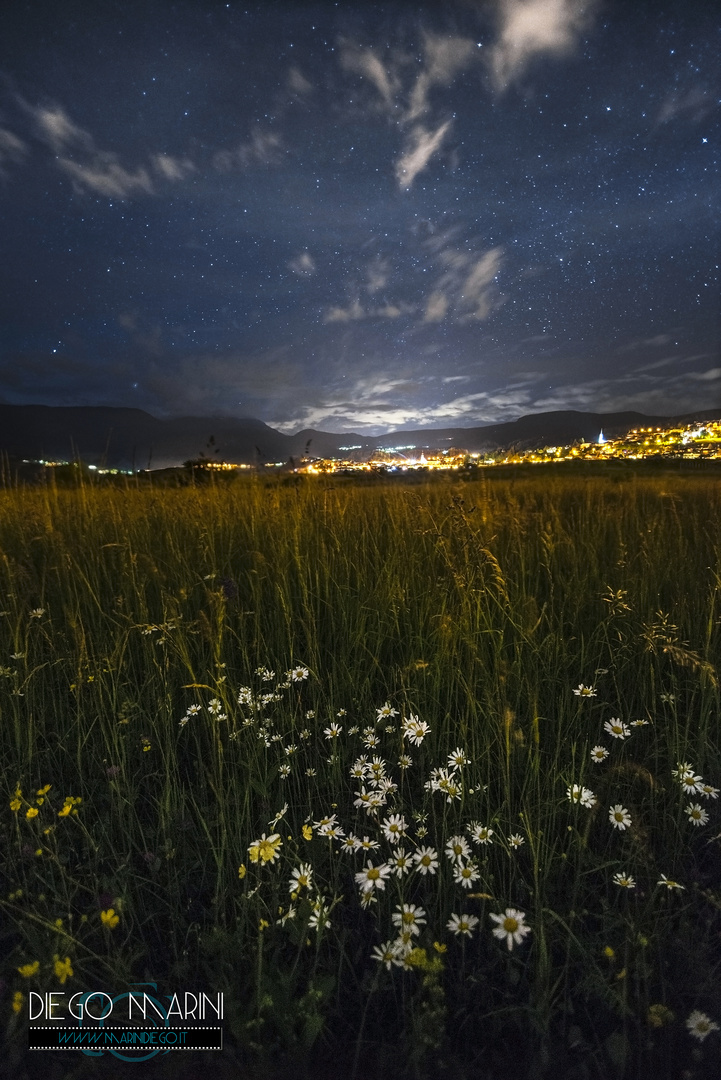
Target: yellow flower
[
  {"x": 44, "y": 790},
  {"x": 307, "y": 832},
  {"x": 658, "y": 1015},
  {"x": 38, "y": 851},
  {"x": 439, "y": 948},
  {"x": 242, "y": 871},
  {"x": 109, "y": 918},
  {"x": 65, "y": 810},
  {"x": 59, "y": 924},
  {"x": 263, "y": 925},
  {"x": 609, "y": 953},
  {"x": 18, "y": 1000},
  {"x": 32, "y": 812},
  {"x": 15, "y": 805},
  {"x": 28, "y": 970},
  {"x": 265, "y": 849},
  {"x": 63, "y": 969}
]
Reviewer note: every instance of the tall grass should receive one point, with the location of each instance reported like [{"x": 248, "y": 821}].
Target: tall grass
[{"x": 477, "y": 607}]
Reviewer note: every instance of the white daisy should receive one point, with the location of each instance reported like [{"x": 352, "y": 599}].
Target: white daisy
[
  {"x": 400, "y": 862},
  {"x": 409, "y": 918},
  {"x": 465, "y": 874},
  {"x": 619, "y": 817},
  {"x": 663, "y": 880},
  {"x": 372, "y": 877},
  {"x": 511, "y": 927},
  {"x": 387, "y": 954},
  {"x": 700, "y": 1025},
  {"x": 457, "y": 849},
  {"x": 463, "y": 925},
  {"x": 480, "y": 834},
  {"x": 394, "y": 827},
  {"x": 696, "y": 814},
  {"x": 426, "y": 859},
  {"x": 617, "y": 729}
]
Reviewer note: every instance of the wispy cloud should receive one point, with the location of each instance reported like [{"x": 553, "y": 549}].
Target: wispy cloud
[
  {"x": 420, "y": 147},
  {"x": 436, "y": 307},
  {"x": 407, "y": 101},
  {"x": 57, "y": 129},
  {"x": 444, "y": 58},
  {"x": 673, "y": 394},
  {"x": 376, "y": 405},
  {"x": 378, "y": 275},
  {"x": 12, "y": 150},
  {"x": 263, "y": 148},
  {"x": 366, "y": 63},
  {"x": 172, "y": 168},
  {"x": 298, "y": 82},
  {"x": 345, "y": 314},
  {"x": 104, "y": 175},
  {"x": 693, "y": 106},
  {"x": 303, "y": 264},
  {"x": 477, "y": 299},
  {"x": 467, "y": 287},
  {"x": 91, "y": 169},
  {"x": 530, "y": 28},
  {"x": 355, "y": 310}
]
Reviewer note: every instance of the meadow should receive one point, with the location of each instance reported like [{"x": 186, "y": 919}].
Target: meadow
[{"x": 423, "y": 778}]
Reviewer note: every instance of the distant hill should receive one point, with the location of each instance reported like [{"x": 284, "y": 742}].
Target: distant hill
[{"x": 133, "y": 439}]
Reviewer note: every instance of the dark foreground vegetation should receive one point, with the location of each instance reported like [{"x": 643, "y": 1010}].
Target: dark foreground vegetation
[{"x": 299, "y": 741}]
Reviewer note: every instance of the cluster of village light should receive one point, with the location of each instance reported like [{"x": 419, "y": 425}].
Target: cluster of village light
[{"x": 693, "y": 441}]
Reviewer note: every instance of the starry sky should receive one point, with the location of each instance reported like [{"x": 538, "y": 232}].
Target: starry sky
[{"x": 360, "y": 216}]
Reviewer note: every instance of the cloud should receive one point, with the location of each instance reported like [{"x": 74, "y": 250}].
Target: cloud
[
  {"x": 364, "y": 409},
  {"x": 712, "y": 375},
  {"x": 339, "y": 314},
  {"x": 444, "y": 58},
  {"x": 12, "y": 149},
  {"x": 672, "y": 395},
  {"x": 693, "y": 106},
  {"x": 466, "y": 288},
  {"x": 298, "y": 82},
  {"x": 302, "y": 264},
  {"x": 172, "y": 168},
  {"x": 378, "y": 273},
  {"x": 422, "y": 145},
  {"x": 355, "y": 310},
  {"x": 407, "y": 103},
  {"x": 263, "y": 148},
  {"x": 530, "y": 28},
  {"x": 436, "y": 307},
  {"x": 477, "y": 298},
  {"x": 91, "y": 169},
  {"x": 57, "y": 129},
  {"x": 364, "y": 62},
  {"x": 104, "y": 175}
]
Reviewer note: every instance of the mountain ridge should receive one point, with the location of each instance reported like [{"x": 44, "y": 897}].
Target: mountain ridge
[{"x": 129, "y": 438}]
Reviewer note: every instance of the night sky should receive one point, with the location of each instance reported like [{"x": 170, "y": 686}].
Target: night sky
[{"x": 360, "y": 216}]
